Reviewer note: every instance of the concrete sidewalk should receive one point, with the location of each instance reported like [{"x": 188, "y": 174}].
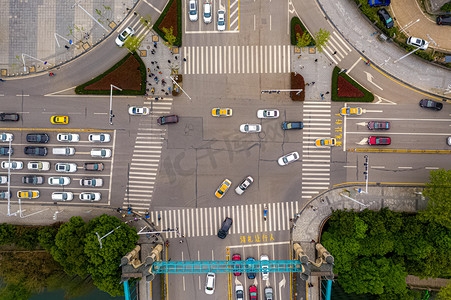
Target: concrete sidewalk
[{"x": 310, "y": 220}]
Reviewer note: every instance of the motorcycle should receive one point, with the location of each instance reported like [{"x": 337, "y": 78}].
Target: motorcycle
[{"x": 265, "y": 213}]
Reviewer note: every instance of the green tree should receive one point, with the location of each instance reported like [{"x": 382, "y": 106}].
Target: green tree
[
  {"x": 146, "y": 21},
  {"x": 321, "y": 38},
  {"x": 304, "y": 40},
  {"x": 27, "y": 237},
  {"x": 14, "y": 292},
  {"x": 103, "y": 263},
  {"x": 69, "y": 247},
  {"x": 438, "y": 190},
  {"x": 7, "y": 234},
  {"x": 132, "y": 43},
  {"x": 445, "y": 292},
  {"x": 46, "y": 236},
  {"x": 169, "y": 35},
  {"x": 446, "y": 7}
]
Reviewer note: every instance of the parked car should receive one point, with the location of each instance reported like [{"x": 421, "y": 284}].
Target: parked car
[
  {"x": 250, "y": 128},
  {"x": 427, "y": 103},
  {"x": 221, "y": 112},
  {"x": 39, "y": 165},
  {"x": 267, "y": 113},
  {"x": 4, "y": 195},
  {"x": 138, "y": 110},
  {"x": 59, "y": 120},
  {"x": 99, "y": 138},
  {"x": 3, "y": 179},
  {"x": 94, "y": 166},
  {"x": 250, "y": 275},
  {"x": 33, "y": 179},
  {"x": 40, "y": 138},
  {"x": 265, "y": 266},
  {"x": 62, "y": 196},
  {"x": 35, "y": 151},
  {"x": 292, "y": 125},
  {"x": 90, "y": 196},
  {"x": 326, "y": 142},
  {"x": 28, "y": 194},
  {"x": 13, "y": 165},
  {"x": 224, "y": 230},
  {"x": 378, "y": 125},
  {"x": 385, "y": 18},
  {"x": 244, "y": 185},
  {"x": 376, "y": 3},
  {"x": 6, "y": 137},
  {"x": 237, "y": 257},
  {"x": 444, "y": 20},
  {"x": 193, "y": 15},
  {"x": 207, "y": 12},
  {"x": 101, "y": 153},
  {"x": 448, "y": 141},
  {"x": 379, "y": 140},
  {"x": 66, "y": 167},
  {"x": 94, "y": 182},
  {"x": 288, "y": 158},
  {"x": 124, "y": 35},
  {"x": 61, "y": 180},
  {"x": 253, "y": 294},
  {"x": 9, "y": 117},
  {"x": 221, "y": 20},
  {"x": 168, "y": 119},
  {"x": 68, "y": 137},
  {"x": 5, "y": 151},
  {"x": 416, "y": 42},
  {"x": 239, "y": 292},
  {"x": 351, "y": 111},
  {"x": 223, "y": 188},
  {"x": 269, "y": 293},
  {"x": 210, "y": 283}
]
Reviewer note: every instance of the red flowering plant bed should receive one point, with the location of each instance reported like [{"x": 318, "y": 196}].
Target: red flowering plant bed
[
  {"x": 344, "y": 88},
  {"x": 171, "y": 17},
  {"x": 297, "y": 82},
  {"x": 298, "y": 27}
]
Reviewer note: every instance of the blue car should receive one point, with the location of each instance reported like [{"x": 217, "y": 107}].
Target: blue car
[
  {"x": 292, "y": 125},
  {"x": 250, "y": 275},
  {"x": 375, "y": 3}
]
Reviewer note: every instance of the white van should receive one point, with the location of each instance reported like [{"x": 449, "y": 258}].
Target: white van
[{"x": 63, "y": 151}]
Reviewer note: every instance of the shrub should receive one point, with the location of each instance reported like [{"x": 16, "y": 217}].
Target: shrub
[
  {"x": 295, "y": 21},
  {"x": 7, "y": 234},
  {"x": 446, "y": 7},
  {"x": 368, "y": 97}
]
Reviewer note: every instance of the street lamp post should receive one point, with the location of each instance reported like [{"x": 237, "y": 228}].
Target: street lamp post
[{"x": 111, "y": 102}]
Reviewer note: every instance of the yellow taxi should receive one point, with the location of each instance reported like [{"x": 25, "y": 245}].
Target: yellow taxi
[
  {"x": 350, "y": 111},
  {"x": 28, "y": 194},
  {"x": 325, "y": 142},
  {"x": 221, "y": 112},
  {"x": 223, "y": 188},
  {"x": 59, "y": 119}
]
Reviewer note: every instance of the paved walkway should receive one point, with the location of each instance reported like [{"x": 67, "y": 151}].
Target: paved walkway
[{"x": 311, "y": 218}]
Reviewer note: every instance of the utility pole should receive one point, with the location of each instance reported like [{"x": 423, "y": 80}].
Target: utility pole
[{"x": 111, "y": 102}]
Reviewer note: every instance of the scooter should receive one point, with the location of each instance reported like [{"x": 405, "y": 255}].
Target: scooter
[{"x": 265, "y": 212}]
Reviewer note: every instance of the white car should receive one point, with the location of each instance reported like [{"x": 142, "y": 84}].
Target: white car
[
  {"x": 416, "y": 42},
  {"x": 267, "y": 113},
  {"x": 99, "y": 138},
  {"x": 239, "y": 292},
  {"x": 62, "y": 196},
  {"x": 221, "y": 20},
  {"x": 138, "y": 110},
  {"x": 95, "y": 182},
  {"x": 207, "y": 12},
  {"x": 120, "y": 40},
  {"x": 90, "y": 196},
  {"x": 13, "y": 165},
  {"x": 210, "y": 283},
  {"x": 193, "y": 15},
  {"x": 288, "y": 158},
  {"x": 244, "y": 185},
  {"x": 6, "y": 137},
  {"x": 250, "y": 128},
  {"x": 448, "y": 141},
  {"x": 68, "y": 137},
  {"x": 101, "y": 153},
  {"x": 265, "y": 266},
  {"x": 59, "y": 180},
  {"x": 3, "y": 179},
  {"x": 39, "y": 165},
  {"x": 66, "y": 167}
]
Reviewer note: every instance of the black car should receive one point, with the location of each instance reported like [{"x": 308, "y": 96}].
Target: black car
[
  {"x": 226, "y": 224},
  {"x": 33, "y": 179},
  {"x": 385, "y": 18},
  {"x": 427, "y": 103},
  {"x": 168, "y": 119},
  {"x": 9, "y": 117},
  {"x": 36, "y": 151},
  {"x": 250, "y": 275},
  {"x": 38, "y": 138},
  {"x": 292, "y": 125},
  {"x": 444, "y": 20},
  {"x": 5, "y": 151}
]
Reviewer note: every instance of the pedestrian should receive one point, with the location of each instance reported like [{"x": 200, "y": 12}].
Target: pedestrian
[
  {"x": 123, "y": 216},
  {"x": 159, "y": 72},
  {"x": 184, "y": 59},
  {"x": 152, "y": 64},
  {"x": 169, "y": 88},
  {"x": 315, "y": 208},
  {"x": 312, "y": 241},
  {"x": 162, "y": 90},
  {"x": 176, "y": 57},
  {"x": 169, "y": 61},
  {"x": 299, "y": 56},
  {"x": 335, "y": 52},
  {"x": 159, "y": 217},
  {"x": 322, "y": 96},
  {"x": 1, "y": 79},
  {"x": 166, "y": 93},
  {"x": 158, "y": 67},
  {"x": 66, "y": 46},
  {"x": 150, "y": 75},
  {"x": 154, "y": 43},
  {"x": 327, "y": 92},
  {"x": 294, "y": 225},
  {"x": 312, "y": 83},
  {"x": 135, "y": 13},
  {"x": 310, "y": 284},
  {"x": 307, "y": 84},
  {"x": 181, "y": 241},
  {"x": 322, "y": 200}
]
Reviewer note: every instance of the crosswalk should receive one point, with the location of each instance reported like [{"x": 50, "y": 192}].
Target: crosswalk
[
  {"x": 146, "y": 157},
  {"x": 247, "y": 219},
  {"x": 256, "y": 59},
  {"x": 315, "y": 161},
  {"x": 336, "y": 48}
]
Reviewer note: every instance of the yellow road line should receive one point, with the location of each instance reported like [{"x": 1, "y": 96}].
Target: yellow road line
[
  {"x": 400, "y": 151},
  {"x": 54, "y": 129}
]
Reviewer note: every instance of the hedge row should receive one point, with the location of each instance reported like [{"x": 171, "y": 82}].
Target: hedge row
[
  {"x": 178, "y": 40},
  {"x": 368, "y": 97},
  {"x": 295, "y": 21},
  {"x": 142, "y": 69}
]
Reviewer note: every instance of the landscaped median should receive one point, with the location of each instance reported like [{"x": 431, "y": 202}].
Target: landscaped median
[
  {"x": 171, "y": 19},
  {"x": 344, "y": 88}
]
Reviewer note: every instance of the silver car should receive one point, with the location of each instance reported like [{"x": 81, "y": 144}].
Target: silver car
[
  {"x": 193, "y": 15},
  {"x": 95, "y": 182},
  {"x": 62, "y": 196},
  {"x": 66, "y": 167},
  {"x": 63, "y": 180},
  {"x": 90, "y": 196}
]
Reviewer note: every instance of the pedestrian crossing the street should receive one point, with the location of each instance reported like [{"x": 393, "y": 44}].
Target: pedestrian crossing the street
[
  {"x": 206, "y": 221},
  {"x": 315, "y": 160},
  {"x": 256, "y": 59},
  {"x": 336, "y": 48},
  {"x": 146, "y": 157}
]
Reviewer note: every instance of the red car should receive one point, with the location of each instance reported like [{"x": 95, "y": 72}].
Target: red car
[
  {"x": 253, "y": 292},
  {"x": 379, "y": 140},
  {"x": 236, "y": 257}
]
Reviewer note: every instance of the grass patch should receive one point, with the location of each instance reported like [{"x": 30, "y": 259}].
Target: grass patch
[{"x": 367, "y": 96}]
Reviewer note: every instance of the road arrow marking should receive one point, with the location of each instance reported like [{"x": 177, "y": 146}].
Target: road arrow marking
[
  {"x": 363, "y": 142},
  {"x": 369, "y": 77},
  {"x": 381, "y": 100}
]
